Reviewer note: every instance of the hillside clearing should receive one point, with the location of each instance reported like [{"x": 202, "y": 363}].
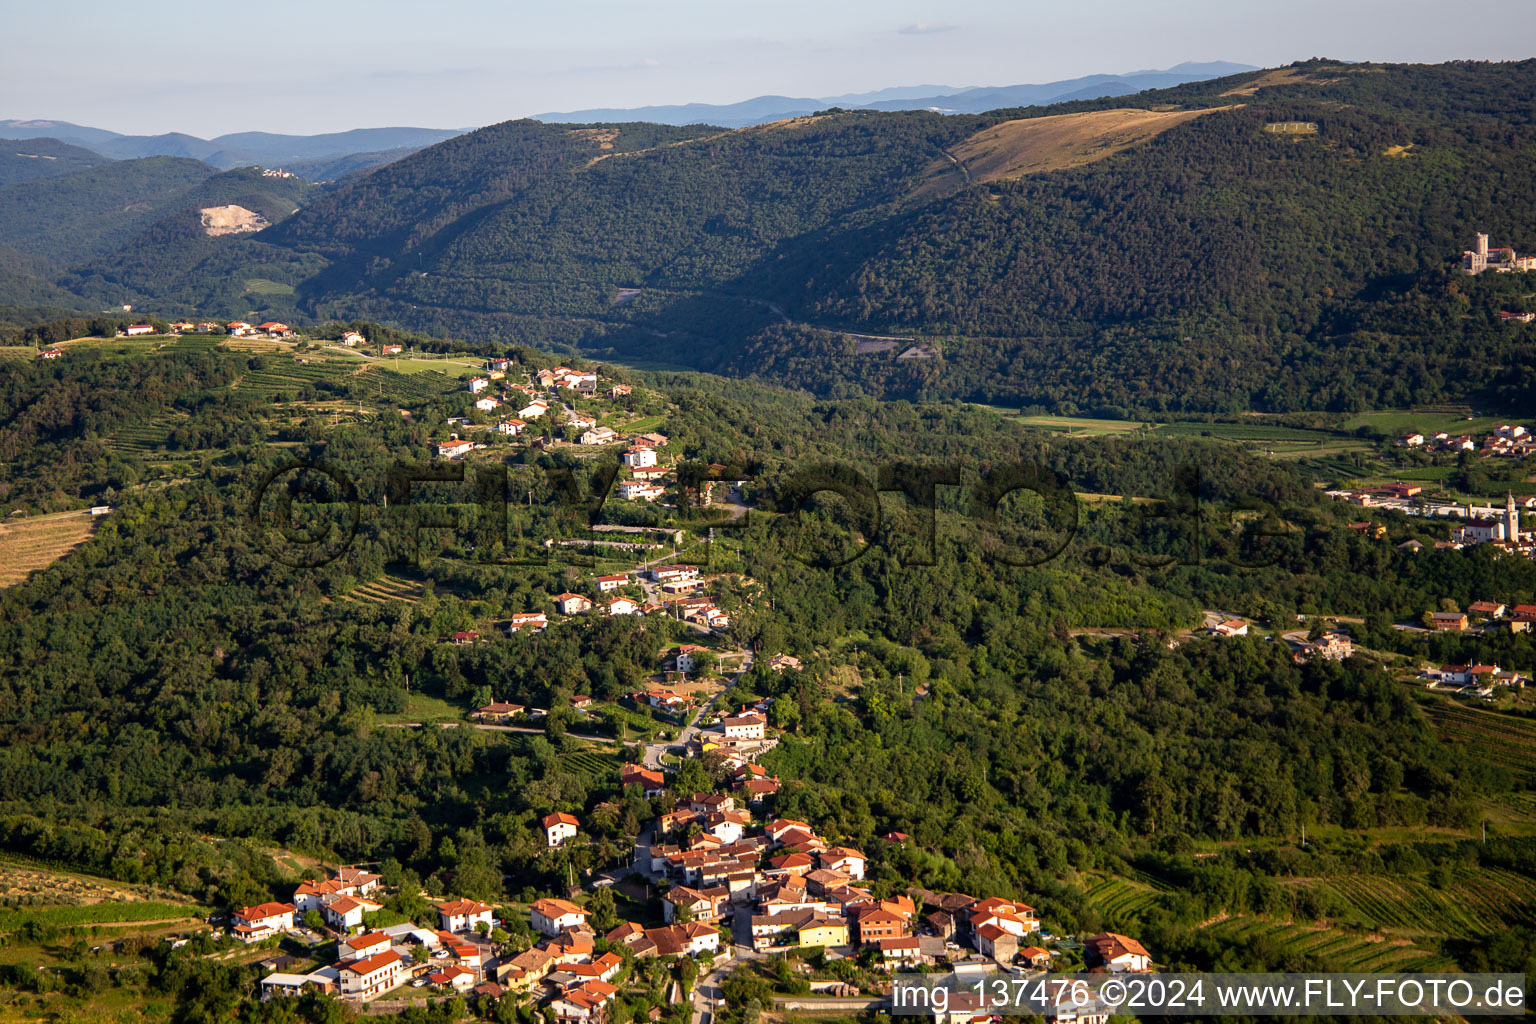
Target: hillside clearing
[
  {"x": 1035, "y": 145},
  {"x": 27, "y": 545},
  {"x": 1280, "y": 76}
]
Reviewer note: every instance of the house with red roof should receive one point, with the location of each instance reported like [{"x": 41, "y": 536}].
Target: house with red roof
[
  {"x": 361, "y": 979},
  {"x": 462, "y": 915},
  {"x": 551, "y": 917},
  {"x": 559, "y": 827},
  {"x": 252, "y": 924}
]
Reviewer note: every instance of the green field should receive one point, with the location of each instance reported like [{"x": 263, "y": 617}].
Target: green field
[
  {"x": 1400, "y": 421},
  {"x": 644, "y": 425},
  {"x": 12, "y": 918},
  {"x": 419, "y": 364},
  {"x": 263, "y": 286},
  {"x": 408, "y": 388},
  {"x": 421, "y": 707},
  {"x": 1246, "y": 432}
]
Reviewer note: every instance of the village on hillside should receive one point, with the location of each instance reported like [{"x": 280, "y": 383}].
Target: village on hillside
[{"x": 715, "y": 880}]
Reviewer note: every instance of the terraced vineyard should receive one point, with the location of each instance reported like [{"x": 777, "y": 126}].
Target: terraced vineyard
[
  {"x": 198, "y": 342},
  {"x": 586, "y": 763},
  {"x": 288, "y": 377},
  {"x": 1340, "y": 950},
  {"x": 385, "y": 589},
  {"x": 1120, "y": 899},
  {"x": 1508, "y": 742},
  {"x": 27, "y": 545},
  {"x": 145, "y": 439},
  {"x": 1477, "y": 904},
  {"x": 409, "y": 388}
]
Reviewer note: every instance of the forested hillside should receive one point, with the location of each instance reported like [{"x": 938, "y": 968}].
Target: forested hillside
[
  {"x": 1221, "y": 262},
  {"x": 1275, "y": 241},
  {"x": 29, "y": 159},
  {"x": 176, "y": 699}
]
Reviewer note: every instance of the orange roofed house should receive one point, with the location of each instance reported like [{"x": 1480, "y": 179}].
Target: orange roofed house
[
  {"x": 559, "y": 827},
  {"x": 551, "y": 917},
  {"x": 463, "y": 915},
  {"x": 252, "y": 924}
]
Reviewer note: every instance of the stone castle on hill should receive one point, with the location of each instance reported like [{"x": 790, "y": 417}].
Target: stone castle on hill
[{"x": 1500, "y": 261}]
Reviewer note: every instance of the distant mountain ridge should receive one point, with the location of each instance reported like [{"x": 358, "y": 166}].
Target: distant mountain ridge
[
  {"x": 944, "y": 99},
  {"x": 240, "y": 149}
]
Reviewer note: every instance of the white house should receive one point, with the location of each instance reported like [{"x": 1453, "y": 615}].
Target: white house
[
  {"x": 841, "y": 858},
  {"x": 598, "y": 435},
  {"x": 363, "y": 978},
  {"x": 572, "y": 604},
  {"x": 1118, "y": 952},
  {"x": 532, "y": 621},
  {"x": 622, "y": 606},
  {"x": 559, "y": 827},
  {"x": 136, "y": 329},
  {"x": 511, "y": 427},
  {"x": 745, "y": 727},
  {"x": 478, "y": 384},
  {"x": 346, "y": 912},
  {"x": 607, "y": 583},
  {"x": 551, "y": 917},
  {"x": 532, "y": 411},
  {"x": 463, "y": 915},
  {"x": 486, "y": 404},
  {"x": 640, "y": 458},
  {"x": 640, "y": 490},
  {"x": 252, "y": 924},
  {"x": 453, "y": 449},
  {"x": 361, "y": 947},
  {"x": 1231, "y": 627}
]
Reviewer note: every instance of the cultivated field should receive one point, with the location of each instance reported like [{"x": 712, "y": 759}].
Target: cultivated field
[
  {"x": 27, "y": 545},
  {"x": 1341, "y": 950},
  {"x": 1508, "y": 742},
  {"x": 1479, "y": 903},
  {"x": 384, "y": 589}
]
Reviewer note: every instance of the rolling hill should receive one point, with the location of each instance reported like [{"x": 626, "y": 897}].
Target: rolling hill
[
  {"x": 239, "y": 149},
  {"x": 1273, "y": 240},
  {"x": 42, "y": 158},
  {"x": 764, "y": 109}
]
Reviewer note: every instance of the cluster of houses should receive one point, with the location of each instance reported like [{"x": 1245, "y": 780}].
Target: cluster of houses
[
  {"x": 530, "y": 402},
  {"x": 1487, "y": 615},
  {"x": 799, "y": 891},
  {"x": 1507, "y": 440},
  {"x": 777, "y": 884},
  {"x": 370, "y": 963},
  {"x": 235, "y": 329},
  {"x": 1478, "y": 524},
  {"x": 1472, "y": 680},
  {"x": 565, "y": 971}
]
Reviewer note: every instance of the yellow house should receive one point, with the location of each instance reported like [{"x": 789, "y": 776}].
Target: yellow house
[{"x": 824, "y": 931}]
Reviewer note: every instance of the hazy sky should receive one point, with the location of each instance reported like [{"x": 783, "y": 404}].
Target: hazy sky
[{"x": 307, "y": 66}]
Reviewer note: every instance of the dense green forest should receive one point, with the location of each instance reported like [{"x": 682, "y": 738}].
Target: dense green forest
[{"x": 177, "y": 700}]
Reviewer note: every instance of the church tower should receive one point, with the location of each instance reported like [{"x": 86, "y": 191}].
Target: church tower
[{"x": 1511, "y": 519}]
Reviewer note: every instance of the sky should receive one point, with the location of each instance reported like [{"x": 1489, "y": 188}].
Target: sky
[{"x": 310, "y": 66}]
